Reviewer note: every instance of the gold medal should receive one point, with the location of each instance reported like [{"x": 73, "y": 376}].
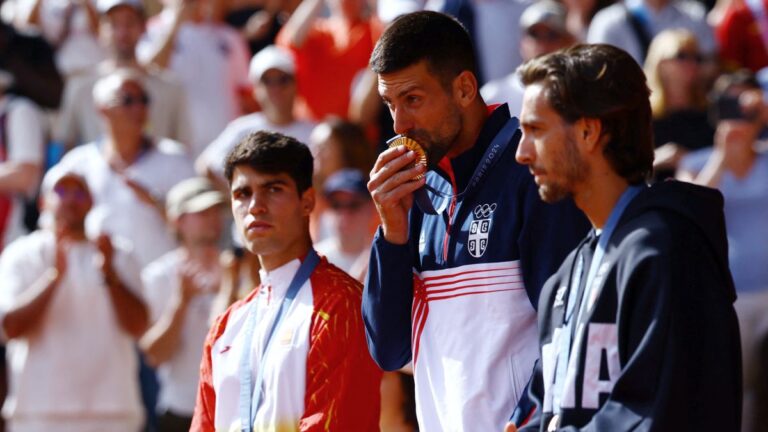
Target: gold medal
[{"x": 421, "y": 156}]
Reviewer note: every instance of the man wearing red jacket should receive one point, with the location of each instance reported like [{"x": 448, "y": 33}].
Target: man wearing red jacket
[{"x": 306, "y": 366}]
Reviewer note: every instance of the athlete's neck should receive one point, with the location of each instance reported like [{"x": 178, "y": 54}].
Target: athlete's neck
[
  {"x": 599, "y": 195},
  {"x": 296, "y": 250}
]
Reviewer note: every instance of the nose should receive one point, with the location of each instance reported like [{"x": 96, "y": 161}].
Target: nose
[
  {"x": 525, "y": 151},
  {"x": 402, "y": 121},
  {"x": 257, "y": 204}
]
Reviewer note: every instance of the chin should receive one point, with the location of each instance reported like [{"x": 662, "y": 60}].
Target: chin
[{"x": 552, "y": 194}]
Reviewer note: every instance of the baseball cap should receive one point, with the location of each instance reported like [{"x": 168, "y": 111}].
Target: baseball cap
[
  {"x": 105, "y": 6},
  {"x": 547, "y": 12},
  {"x": 191, "y": 196},
  {"x": 56, "y": 174},
  {"x": 271, "y": 57},
  {"x": 346, "y": 180}
]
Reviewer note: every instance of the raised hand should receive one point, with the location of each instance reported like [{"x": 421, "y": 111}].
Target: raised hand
[{"x": 391, "y": 187}]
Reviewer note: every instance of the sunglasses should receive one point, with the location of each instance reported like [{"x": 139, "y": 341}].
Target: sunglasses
[
  {"x": 128, "y": 100},
  {"x": 353, "y": 205},
  {"x": 689, "y": 57},
  {"x": 543, "y": 34},
  {"x": 282, "y": 80}
]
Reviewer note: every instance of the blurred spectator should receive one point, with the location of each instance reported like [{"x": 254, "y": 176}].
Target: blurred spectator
[
  {"x": 259, "y": 21},
  {"x": 335, "y": 144},
  {"x": 543, "y": 29},
  {"x": 678, "y": 101},
  {"x": 632, "y": 24},
  {"x": 329, "y": 53},
  {"x": 129, "y": 173},
  {"x": 580, "y": 14},
  {"x": 483, "y": 19},
  {"x": 179, "y": 289},
  {"x": 743, "y": 35},
  {"x": 22, "y": 154},
  {"x": 189, "y": 38},
  {"x": 71, "y": 309},
  {"x": 272, "y": 73},
  {"x": 122, "y": 24},
  {"x": 29, "y": 60},
  {"x": 338, "y": 144},
  {"x": 353, "y": 217},
  {"x": 741, "y": 173},
  {"x": 71, "y": 26},
  {"x": 240, "y": 273}
]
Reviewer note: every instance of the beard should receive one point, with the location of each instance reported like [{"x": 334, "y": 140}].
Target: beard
[
  {"x": 572, "y": 168},
  {"x": 439, "y": 141}
]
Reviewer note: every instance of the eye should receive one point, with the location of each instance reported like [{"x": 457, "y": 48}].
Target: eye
[
  {"x": 240, "y": 194},
  {"x": 412, "y": 99}
]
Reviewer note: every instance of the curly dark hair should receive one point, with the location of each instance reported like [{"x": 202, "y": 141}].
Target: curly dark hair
[
  {"x": 273, "y": 153},
  {"x": 602, "y": 82}
]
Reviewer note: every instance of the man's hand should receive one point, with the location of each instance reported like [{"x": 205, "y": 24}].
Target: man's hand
[
  {"x": 392, "y": 188},
  {"x": 60, "y": 258},
  {"x": 510, "y": 427},
  {"x": 104, "y": 244}
]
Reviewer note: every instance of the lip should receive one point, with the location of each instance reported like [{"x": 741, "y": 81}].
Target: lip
[{"x": 258, "y": 227}]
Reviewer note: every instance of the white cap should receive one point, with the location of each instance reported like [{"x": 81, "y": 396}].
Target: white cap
[
  {"x": 105, "y": 6},
  {"x": 58, "y": 173},
  {"x": 271, "y": 57},
  {"x": 546, "y": 12}
]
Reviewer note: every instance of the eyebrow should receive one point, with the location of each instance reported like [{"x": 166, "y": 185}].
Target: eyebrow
[{"x": 402, "y": 92}]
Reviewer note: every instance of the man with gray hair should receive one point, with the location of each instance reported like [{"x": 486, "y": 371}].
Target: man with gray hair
[{"x": 128, "y": 171}]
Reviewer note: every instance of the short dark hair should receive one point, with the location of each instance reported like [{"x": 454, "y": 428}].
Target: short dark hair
[
  {"x": 603, "y": 82},
  {"x": 273, "y": 153},
  {"x": 439, "y": 39}
]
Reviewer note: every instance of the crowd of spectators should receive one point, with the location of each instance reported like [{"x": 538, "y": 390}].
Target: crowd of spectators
[{"x": 116, "y": 117}]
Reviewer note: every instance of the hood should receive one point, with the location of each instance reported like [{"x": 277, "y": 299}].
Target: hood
[{"x": 700, "y": 206}]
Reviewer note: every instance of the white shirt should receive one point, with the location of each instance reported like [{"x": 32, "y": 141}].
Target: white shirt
[
  {"x": 214, "y": 155},
  {"x": 179, "y": 375},
  {"x": 212, "y": 63},
  {"x": 25, "y": 133},
  {"x": 79, "y": 363},
  {"x": 285, "y": 364},
  {"x": 117, "y": 210},
  {"x": 611, "y": 25}
]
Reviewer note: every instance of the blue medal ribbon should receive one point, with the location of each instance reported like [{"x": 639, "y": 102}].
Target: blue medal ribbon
[
  {"x": 565, "y": 345},
  {"x": 251, "y": 390}
]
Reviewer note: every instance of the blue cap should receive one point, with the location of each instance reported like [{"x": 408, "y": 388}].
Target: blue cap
[{"x": 346, "y": 180}]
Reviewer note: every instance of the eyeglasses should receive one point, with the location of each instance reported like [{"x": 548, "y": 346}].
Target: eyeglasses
[
  {"x": 127, "y": 101},
  {"x": 543, "y": 34},
  {"x": 353, "y": 205},
  {"x": 76, "y": 194},
  {"x": 689, "y": 57},
  {"x": 282, "y": 80}
]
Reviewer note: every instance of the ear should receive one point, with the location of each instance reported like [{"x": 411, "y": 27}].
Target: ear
[
  {"x": 308, "y": 201},
  {"x": 465, "y": 88},
  {"x": 589, "y": 132}
]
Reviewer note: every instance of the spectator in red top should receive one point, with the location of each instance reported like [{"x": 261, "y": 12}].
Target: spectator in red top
[
  {"x": 741, "y": 39},
  {"x": 329, "y": 53}
]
